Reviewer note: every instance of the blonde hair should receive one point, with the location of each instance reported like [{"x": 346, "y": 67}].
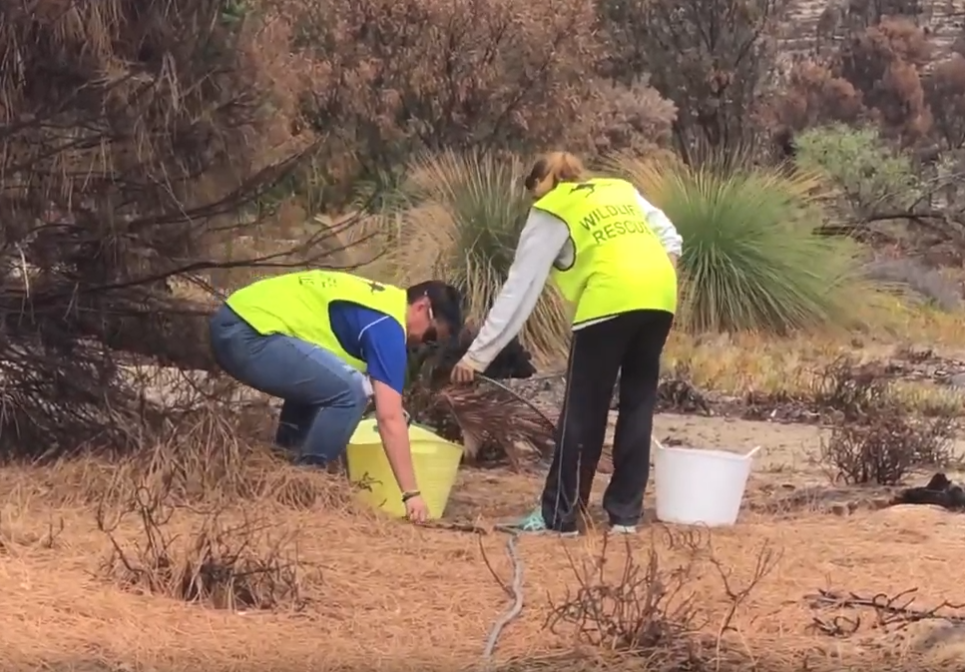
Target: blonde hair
[{"x": 551, "y": 169}]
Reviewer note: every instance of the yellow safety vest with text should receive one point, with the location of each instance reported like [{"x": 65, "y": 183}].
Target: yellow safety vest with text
[
  {"x": 619, "y": 264},
  {"x": 296, "y": 305}
]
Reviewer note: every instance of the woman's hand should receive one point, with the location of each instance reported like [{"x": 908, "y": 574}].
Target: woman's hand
[{"x": 463, "y": 372}]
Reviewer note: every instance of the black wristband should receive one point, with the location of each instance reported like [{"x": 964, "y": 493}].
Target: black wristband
[{"x": 406, "y": 496}]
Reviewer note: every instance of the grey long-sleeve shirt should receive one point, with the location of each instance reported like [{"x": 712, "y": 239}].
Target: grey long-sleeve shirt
[{"x": 544, "y": 239}]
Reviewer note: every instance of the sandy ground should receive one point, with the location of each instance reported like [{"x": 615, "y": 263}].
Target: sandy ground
[{"x": 384, "y": 595}]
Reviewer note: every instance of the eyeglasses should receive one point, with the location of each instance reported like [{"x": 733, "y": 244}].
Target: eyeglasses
[{"x": 430, "y": 335}]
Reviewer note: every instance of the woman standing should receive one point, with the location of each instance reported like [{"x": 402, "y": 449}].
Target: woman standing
[{"x": 613, "y": 256}]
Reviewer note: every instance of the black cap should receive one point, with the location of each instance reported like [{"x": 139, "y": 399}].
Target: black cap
[{"x": 446, "y": 301}]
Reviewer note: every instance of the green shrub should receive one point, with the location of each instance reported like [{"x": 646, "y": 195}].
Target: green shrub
[
  {"x": 458, "y": 217},
  {"x": 869, "y": 175},
  {"x": 750, "y": 258}
]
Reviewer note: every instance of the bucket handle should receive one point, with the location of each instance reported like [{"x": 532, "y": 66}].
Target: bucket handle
[{"x": 753, "y": 451}]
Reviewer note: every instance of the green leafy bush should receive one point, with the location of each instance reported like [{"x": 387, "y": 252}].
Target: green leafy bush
[
  {"x": 870, "y": 176},
  {"x": 750, "y": 258}
]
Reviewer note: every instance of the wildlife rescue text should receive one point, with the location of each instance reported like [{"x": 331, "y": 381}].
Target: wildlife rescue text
[{"x": 612, "y": 221}]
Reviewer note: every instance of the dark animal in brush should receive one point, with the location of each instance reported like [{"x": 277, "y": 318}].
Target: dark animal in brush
[
  {"x": 939, "y": 492},
  {"x": 514, "y": 361}
]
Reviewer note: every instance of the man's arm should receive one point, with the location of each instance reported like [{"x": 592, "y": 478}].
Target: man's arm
[
  {"x": 383, "y": 349},
  {"x": 395, "y": 435},
  {"x": 539, "y": 244}
]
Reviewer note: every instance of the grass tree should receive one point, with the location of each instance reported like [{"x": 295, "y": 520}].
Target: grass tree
[
  {"x": 751, "y": 259},
  {"x": 458, "y": 216}
]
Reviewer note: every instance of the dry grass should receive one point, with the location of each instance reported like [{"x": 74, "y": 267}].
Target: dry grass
[
  {"x": 749, "y": 363},
  {"x": 364, "y": 591}
]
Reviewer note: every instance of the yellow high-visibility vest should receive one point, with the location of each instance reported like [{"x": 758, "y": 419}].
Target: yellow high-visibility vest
[
  {"x": 296, "y": 304},
  {"x": 619, "y": 263}
]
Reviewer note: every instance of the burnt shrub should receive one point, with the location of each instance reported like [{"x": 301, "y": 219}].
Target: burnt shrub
[
  {"x": 712, "y": 58},
  {"x": 883, "y": 62},
  {"x": 135, "y": 136},
  {"x": 875, "y": 440},
  {"x": 944, "y": 90},
  {"x": 885, "y": 448},
  {"x": 398, "y": 78}
]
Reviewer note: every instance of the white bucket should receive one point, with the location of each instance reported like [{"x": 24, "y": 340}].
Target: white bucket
[{"x": 700, "y": 487}]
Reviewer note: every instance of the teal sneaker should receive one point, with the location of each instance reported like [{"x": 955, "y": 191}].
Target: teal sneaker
[
  {"x": 618, "y": 530},
  {"x": 534, "y": 524}
]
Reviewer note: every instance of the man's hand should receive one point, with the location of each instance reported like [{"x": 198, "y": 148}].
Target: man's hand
[
  {"x": 416, "y": 510},
  {"x": 463, "y": 372}
]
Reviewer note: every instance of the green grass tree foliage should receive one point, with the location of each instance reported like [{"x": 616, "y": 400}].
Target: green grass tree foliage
[
  {"x": 459, "y": 218},
  {"x": 871, "y": 177},
  {"x": 750, "y": 259}
]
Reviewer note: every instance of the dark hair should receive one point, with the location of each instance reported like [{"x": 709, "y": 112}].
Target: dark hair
[{"x": 446, "y": 301}]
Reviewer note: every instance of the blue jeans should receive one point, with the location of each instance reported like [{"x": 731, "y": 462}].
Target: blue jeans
[{"x": 324, "y": 399}]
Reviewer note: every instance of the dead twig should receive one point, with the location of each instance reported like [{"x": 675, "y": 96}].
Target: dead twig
[
  {"x": 767, "y": 559},
  {"x": 646, "y": 609},
  {"x": 224, "y": 565},
  {"x": 892, "y": 613}
]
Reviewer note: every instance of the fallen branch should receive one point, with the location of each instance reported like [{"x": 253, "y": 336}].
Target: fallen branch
[{"x": 892, "y": 613}]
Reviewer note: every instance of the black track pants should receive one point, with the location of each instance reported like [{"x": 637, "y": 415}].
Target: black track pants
[{"x": 629, "y": 345}]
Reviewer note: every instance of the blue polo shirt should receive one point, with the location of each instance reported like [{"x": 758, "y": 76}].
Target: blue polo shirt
[{"x": 375, "y": 338}]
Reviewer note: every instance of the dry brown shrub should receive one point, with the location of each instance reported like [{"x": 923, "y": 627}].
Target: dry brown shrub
[
  {"x": 853, "y": 391},
  {"x": 812, "y": 96},
  {"x": 945, "y": 95},
  {"x": 883, "y": 62},
  {"x": 632, "y": 118},
  {"x": 395, "y": 78},
  {"x": 874, "y": 439},
  {"x": 223, "y": 453},
  {"x": 213, "y": 452},
  {"x": 249, "y": 564},
  {"x": 712, "y": 58},
  {"x": 885, "y": 448},
  {"x": 134, "y": 135},
  {"x": 648, "y": 609}
]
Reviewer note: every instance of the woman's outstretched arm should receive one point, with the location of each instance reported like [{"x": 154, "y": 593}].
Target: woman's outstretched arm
[{"x": 540, "y": 242}]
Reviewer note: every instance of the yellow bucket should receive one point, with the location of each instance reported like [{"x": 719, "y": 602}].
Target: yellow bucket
[{"x": 436, "y": 463}]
